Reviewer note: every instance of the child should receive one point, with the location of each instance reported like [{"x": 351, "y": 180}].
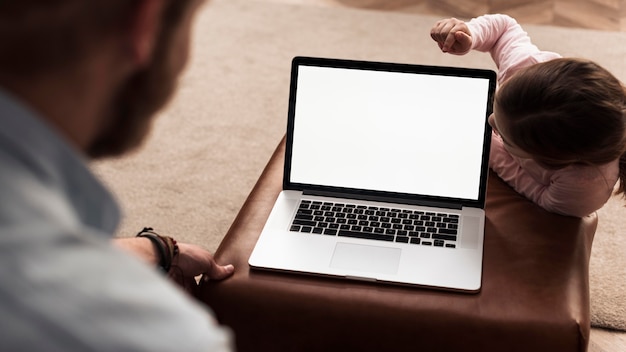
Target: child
[{"x": 559, "y": 125}]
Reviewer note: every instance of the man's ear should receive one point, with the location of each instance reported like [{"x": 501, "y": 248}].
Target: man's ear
[{"x": 144, "y": 27}]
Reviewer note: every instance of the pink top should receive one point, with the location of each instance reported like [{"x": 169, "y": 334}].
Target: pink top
[{"x": 575, "y": 190}]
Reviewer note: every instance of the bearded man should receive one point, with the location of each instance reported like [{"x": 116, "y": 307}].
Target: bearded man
[{"x": 83, "y": 79}]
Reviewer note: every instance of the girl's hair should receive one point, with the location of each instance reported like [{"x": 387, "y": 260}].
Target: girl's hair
[{"x": 567, "y": 111}]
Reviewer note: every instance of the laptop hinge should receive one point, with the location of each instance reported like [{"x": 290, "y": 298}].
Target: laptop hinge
[{"x": 420, "y": 202}]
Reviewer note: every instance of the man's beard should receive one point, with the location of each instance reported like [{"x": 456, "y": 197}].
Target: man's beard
[{"x": 133, "y": 107}]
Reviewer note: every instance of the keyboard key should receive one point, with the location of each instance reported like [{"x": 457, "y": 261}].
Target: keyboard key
[
  {"x": 295, "y": 228},
  {"x": 448, "y": 231},
  {"x": 402, "y": 239},
  {"x": 444, "y": 237},
  {"x": 304, "y": 217},
  {"x": 373, "y": 236},
  {"x": 304, "y": 222}
]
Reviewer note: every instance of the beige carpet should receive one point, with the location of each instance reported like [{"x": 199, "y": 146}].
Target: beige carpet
[{"x": 210, "y": 145}]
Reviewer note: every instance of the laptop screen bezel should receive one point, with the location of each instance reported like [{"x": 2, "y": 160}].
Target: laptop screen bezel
[{"x": 384, "y": 196}]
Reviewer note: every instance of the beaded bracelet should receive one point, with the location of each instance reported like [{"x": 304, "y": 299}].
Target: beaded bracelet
[{"x": 166, "y": 247}]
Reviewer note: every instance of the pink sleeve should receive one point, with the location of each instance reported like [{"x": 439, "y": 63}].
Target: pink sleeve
[
  {"x": 509, "y": 45},
  {"x": 574, "y": 191}
]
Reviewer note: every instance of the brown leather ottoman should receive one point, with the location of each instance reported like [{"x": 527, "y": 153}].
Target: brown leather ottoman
[{"x": 535, "y": 293}]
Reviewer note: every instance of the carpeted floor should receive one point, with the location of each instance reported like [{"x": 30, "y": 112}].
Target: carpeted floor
[{"x": 210, "y": 145}]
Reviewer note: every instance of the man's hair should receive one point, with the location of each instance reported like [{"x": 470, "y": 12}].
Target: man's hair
[
  {"x": 48, "y": 36},
  {"x": 566, "y": 111},
  {"x": 41, "y": 35}
]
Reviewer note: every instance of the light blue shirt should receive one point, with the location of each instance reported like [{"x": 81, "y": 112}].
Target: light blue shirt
[{"x": 63, "y": 286}]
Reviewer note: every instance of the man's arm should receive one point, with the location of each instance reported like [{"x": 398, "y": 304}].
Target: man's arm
[{"x": 190, "y": 262}]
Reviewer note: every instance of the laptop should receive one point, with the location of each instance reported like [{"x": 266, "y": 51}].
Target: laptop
[{"x": 385, "y": 174}]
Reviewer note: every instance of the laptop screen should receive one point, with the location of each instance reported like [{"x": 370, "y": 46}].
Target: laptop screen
[{"x": 404, "y": 129}]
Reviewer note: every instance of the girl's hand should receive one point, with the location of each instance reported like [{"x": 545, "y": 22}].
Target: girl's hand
[{"x": 452, "y": 35}]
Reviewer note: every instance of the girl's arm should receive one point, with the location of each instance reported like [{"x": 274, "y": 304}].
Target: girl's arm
[
  {"x": 509, "y": 45},
  {"x": 574, "y": 190}
]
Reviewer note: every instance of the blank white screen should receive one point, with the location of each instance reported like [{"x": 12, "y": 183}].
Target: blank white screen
[{"x": 389, "y": 131}]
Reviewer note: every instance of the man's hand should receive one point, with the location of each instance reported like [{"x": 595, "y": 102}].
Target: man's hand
[
  {"x": 453, "y": 36},
  {"x": 193, "y": 261}
]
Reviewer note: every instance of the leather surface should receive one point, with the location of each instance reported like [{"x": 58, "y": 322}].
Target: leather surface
[{"x": 534, "y": 297}]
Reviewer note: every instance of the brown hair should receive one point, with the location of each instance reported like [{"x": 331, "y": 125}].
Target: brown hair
[
  {"x": 41, "y": 35},
  {"x": 567, "y": 111}
]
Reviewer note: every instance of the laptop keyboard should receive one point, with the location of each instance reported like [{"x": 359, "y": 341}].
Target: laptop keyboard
[{"x": 377, "y": 223}]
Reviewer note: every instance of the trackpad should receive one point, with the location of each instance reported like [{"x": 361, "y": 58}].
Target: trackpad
[{"x": 360, "y": 257}]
